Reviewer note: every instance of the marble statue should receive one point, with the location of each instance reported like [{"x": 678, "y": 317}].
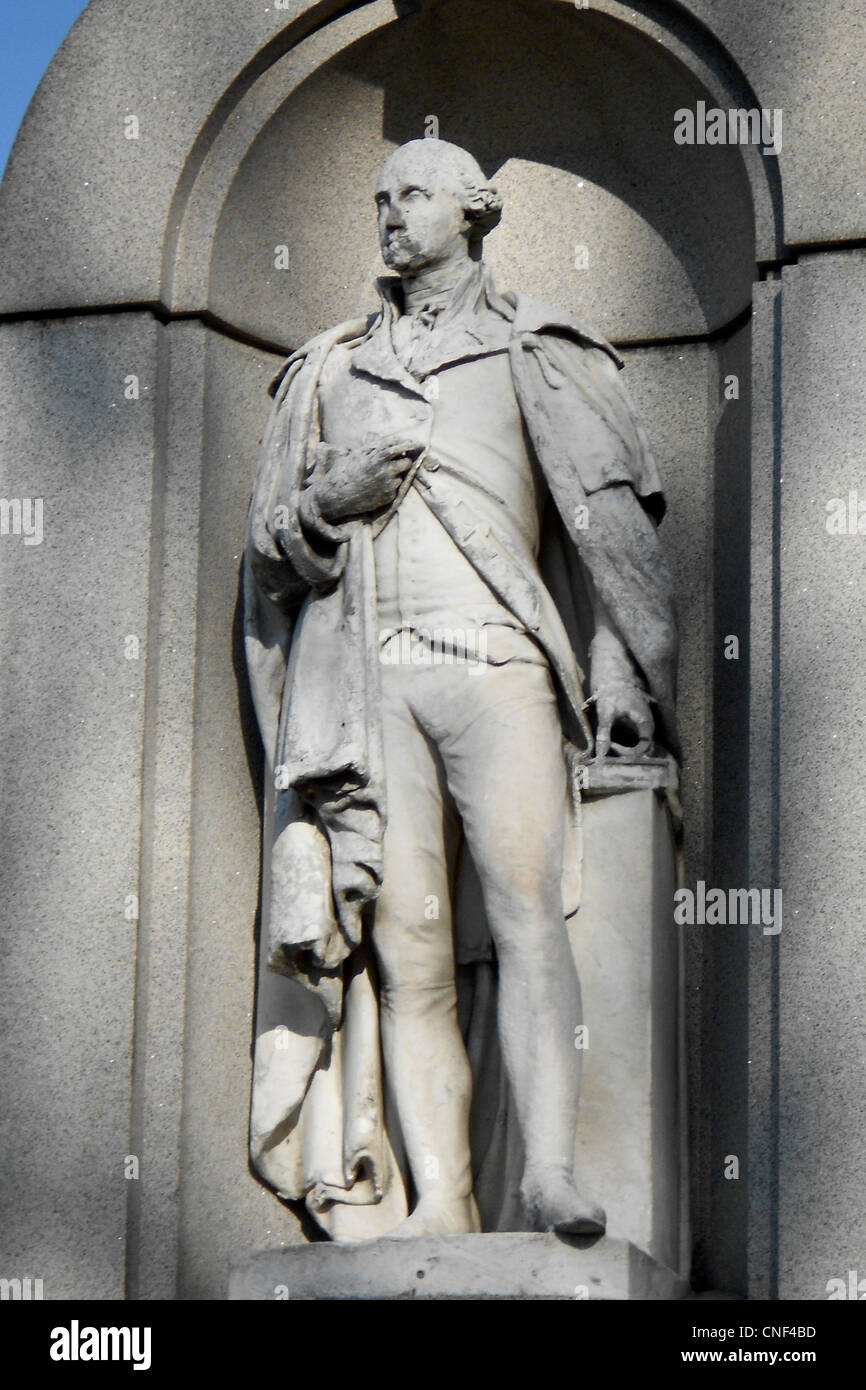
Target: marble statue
[{"x": 455, "y": 517}]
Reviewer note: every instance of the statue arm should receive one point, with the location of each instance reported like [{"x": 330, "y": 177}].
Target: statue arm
[
  {"x": 570, "y": 390},
  {"x": 617, "y": 687},
  {"x": 289, "y": 536}
]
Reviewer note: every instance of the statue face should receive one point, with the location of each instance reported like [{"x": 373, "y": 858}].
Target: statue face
[{"x": 421, "y": 216}]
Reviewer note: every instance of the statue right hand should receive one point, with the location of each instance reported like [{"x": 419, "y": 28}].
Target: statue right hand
[{"x": 352, "y": 482}]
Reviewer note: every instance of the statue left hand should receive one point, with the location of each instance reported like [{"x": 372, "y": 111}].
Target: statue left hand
[{"x": 623, "y": 710}]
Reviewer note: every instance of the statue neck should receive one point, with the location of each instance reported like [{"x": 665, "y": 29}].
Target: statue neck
[{"x": 434, "y": 285}]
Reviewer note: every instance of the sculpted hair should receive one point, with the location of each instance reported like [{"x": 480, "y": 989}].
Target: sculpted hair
[{"x": 483, "y": 204}]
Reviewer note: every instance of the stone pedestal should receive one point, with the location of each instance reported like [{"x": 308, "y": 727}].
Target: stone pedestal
[
  {"x": 626, "y": 945},
  {"x": 497, "y": 1266}
]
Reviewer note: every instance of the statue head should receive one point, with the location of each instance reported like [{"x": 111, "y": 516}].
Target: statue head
[{"x": 435, "y": 205}]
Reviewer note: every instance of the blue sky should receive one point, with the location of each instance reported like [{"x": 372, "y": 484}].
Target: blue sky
[{"x": 31, "y": 31}]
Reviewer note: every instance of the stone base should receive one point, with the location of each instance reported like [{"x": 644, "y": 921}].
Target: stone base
[{"x": 499, "y": 1265}]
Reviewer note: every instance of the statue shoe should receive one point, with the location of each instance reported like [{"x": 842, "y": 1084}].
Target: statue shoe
[{"x": 553, "y": 1203}]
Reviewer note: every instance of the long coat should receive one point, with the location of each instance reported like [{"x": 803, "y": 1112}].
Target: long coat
[{"x": 318, "y": 1128}]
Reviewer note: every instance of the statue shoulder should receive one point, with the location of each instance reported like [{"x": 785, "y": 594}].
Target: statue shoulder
[
  {"x": 317, "y": 348},
  {"x": 532, "y": 316}
]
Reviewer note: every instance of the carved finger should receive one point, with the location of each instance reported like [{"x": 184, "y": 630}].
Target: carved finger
[
  {"x": 399, "y": 448},
  {"x": 602, "y": 738},
  {"x": 642, "y": 720}
]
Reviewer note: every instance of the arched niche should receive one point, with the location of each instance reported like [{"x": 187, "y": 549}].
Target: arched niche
[
  {"x": 573, "y": 113},
  {"x": 577, "y": 130}
]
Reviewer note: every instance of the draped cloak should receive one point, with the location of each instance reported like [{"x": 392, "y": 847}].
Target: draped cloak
[{"x": 322, "y": 1129}]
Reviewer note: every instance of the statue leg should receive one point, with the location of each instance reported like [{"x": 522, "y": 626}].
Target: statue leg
[
  {"x": 505, "y": 768},
  {"x": 426, "y": 1068}
]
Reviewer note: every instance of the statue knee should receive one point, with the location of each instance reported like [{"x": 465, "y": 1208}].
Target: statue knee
[
  {"x": 414, "y": 996},
  {"x": 530, "y": 899},
  {"x": 416, "y": 963}
]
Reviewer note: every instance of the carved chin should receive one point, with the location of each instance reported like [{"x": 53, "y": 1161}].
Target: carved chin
[{"x": 403, "y": 257}]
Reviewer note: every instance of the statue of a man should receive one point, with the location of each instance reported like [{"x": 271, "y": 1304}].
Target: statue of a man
[{"x": 455, "y": 512}]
